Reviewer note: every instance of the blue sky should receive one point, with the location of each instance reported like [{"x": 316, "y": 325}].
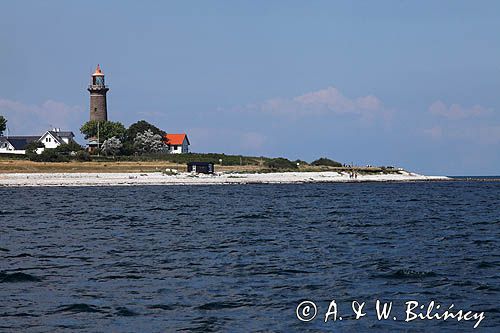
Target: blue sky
[{"x": 414, "y": 84}]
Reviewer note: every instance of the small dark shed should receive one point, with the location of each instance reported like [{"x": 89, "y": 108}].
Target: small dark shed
[{"x": 200, "y": 167}]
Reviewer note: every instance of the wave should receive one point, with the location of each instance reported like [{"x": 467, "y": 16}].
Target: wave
[
  {"x": 407, "y": 274},
  {"x": 21, "y": 255},
  {"x": 78, "y": 307},
  {"x": 18, "y": 277},
  {"x": 161, "y": 307},
  {"x": 486, "y": 264},
  {"x": 124, "y": 312},
  {"x": 221, "y": 305},
  {"x": 118, "y": 277}
]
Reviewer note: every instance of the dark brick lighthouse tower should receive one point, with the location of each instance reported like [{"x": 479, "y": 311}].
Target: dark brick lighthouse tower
[{"x": 98, "y": 90}]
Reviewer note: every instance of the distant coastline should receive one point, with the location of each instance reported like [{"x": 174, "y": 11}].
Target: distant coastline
[{"x": 476, "y": 178}]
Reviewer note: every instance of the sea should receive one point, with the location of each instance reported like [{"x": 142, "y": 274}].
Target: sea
[{"x": 251, "y": 258}]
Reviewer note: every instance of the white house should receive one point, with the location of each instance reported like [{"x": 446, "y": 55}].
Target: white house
[
  {"x": 177, "y": 143},
  {"x": 54, "y": 138},
  {"x": 50, "y": 139},
  {"x": 15, "y": 144}
]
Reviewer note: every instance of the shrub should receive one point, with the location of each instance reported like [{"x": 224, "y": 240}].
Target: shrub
[
  {"x": 301, "y": 162},
  {"x": 127, "y": 148},
  {"x": 68, "y": 148},
  {"x": 326, "y": 162},
  {"x": 50, "y": 155},
  {"x": 280, "y": 163},
  {"x": 31, "y": 149},
  {"x": 83, "y": 156}
]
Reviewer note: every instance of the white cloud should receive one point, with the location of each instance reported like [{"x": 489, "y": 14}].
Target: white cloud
[
  {"x": 325, "y": 101},
  {"x": 24, "y": 119},
  {"x": 456, "y": 111}
]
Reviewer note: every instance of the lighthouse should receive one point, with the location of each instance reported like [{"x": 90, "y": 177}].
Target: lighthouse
[{"x": 98, "y": 90}]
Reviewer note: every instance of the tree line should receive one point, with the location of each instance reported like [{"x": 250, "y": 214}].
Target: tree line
[
  {"x": 141, "y": 138},
  {"x": 114, "y": 139}
]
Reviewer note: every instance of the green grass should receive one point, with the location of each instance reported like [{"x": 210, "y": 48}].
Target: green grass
[
  {"x": 190, "y": 157},
  {"x": 13, "y": 157}
]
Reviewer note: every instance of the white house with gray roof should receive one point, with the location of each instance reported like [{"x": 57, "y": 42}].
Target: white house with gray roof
[
  {"x": 50, "y": 139},
  {"x": 15, "y": 144},
  {"x": 55, "y": 138}
]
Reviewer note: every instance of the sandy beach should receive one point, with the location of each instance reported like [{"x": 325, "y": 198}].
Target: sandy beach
[{"x": 157, "y": 178}]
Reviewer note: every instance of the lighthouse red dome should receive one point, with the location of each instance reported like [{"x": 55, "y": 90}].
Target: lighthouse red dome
[{"x": 98, "y": 71}]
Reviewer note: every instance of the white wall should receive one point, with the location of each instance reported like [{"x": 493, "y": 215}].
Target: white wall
[
  {"x": 180, "y": 149},
  {"x": 7, "y": 148},
  {"x": 7, "y": 151},
  {"x": 49, "y": 141}
]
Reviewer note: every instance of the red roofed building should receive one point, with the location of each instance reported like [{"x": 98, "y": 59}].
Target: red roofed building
[{"x": 177, "y": 143}]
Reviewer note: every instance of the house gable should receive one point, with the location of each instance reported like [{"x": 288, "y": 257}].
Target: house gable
[
  {"x": 5, "y": 144},
  {"x": 48, "y": 134},
  {"x": 56, "y": 138}
]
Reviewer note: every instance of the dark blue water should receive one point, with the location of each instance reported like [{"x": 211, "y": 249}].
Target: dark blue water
[{"x": 241, "y": 258}]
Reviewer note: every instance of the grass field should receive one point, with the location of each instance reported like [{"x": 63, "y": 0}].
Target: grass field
[
  {"x": 25, "y": 166},
  {"x": 20, "y": 165}
]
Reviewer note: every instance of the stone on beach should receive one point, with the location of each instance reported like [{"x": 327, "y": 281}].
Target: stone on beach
[{"x": 116, "y": 179}]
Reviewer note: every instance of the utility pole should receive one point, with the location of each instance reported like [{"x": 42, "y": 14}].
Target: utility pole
[{"x": 98, "y": 141}]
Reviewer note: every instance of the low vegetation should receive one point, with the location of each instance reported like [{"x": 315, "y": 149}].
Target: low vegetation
[
  {"x": 326, "y": 162},
  {"x": 280, "y": 163}
]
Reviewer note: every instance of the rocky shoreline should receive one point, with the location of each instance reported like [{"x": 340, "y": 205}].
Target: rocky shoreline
[{"x": 158, "y": 178}]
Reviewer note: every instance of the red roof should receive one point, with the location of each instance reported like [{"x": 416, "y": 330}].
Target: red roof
[{"x": 175, "y": 139}]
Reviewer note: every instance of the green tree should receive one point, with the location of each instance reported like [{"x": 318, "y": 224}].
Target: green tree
[
  {"x": 3, "y": 125},
  {"x": 111, "y": 146},
  {"x": 148, "y": 142},
  {"x": 70, "y": 147},
  {"x": 107, "y": 129},
  {"x": 140, "y": 127},
  {"x": 326, "y": 162},
  {"x": 31, "y": 149}
]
